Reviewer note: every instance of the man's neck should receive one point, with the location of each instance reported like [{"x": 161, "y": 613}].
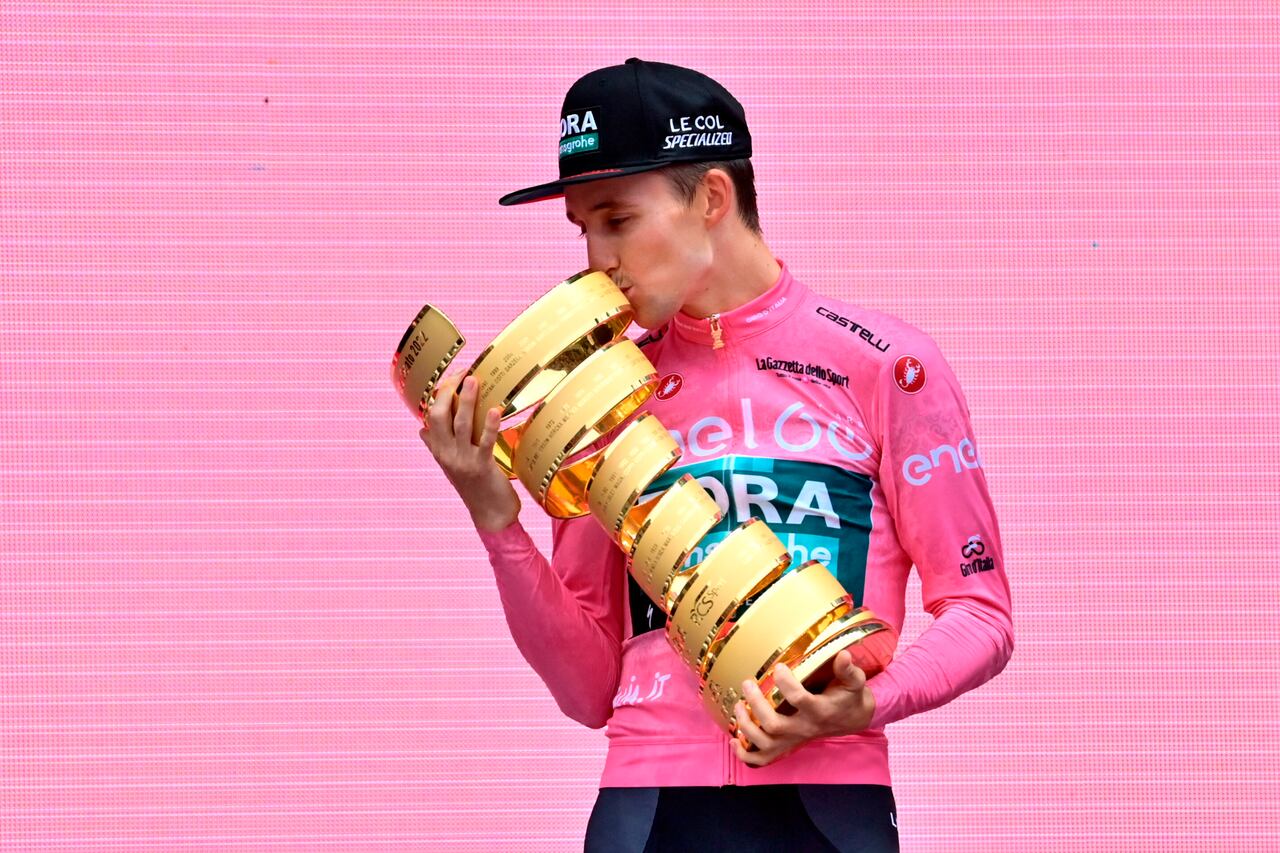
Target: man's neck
[{"x": 736, "y": 278}]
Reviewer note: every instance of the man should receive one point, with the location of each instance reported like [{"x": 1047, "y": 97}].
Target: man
[{"x": 844, "y": 429}]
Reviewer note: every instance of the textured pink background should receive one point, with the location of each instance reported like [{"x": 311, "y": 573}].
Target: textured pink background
[{"x": 241, "y": 608}]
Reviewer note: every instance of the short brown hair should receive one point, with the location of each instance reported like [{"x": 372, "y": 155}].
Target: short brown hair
[{"x": 685, "y": 177}]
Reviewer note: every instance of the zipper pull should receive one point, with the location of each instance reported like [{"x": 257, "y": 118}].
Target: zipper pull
[{"x": 717, "y": 341}]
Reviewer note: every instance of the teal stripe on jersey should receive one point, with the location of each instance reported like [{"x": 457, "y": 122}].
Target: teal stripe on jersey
[{"x": 819, "y": 511}]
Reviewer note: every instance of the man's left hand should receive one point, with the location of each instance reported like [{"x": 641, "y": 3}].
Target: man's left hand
[{"x": 844, "y": 707}]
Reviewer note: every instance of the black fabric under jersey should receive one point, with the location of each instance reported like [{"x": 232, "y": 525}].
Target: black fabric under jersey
[{"x": 745, "y": 819}]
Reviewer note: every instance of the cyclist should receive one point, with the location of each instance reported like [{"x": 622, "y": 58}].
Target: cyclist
[{"x": 841, "y": 427}]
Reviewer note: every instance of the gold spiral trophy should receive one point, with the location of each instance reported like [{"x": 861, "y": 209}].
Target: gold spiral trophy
[{"x": 566, "y": 367}]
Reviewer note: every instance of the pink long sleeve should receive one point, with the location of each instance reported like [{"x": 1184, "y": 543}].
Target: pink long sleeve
[
  {"x": 936, "y": 493},
  {"x": 566, "y": 616}
]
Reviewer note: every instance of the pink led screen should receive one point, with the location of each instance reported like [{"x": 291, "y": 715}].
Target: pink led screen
[{"x": 241, "y": 608}]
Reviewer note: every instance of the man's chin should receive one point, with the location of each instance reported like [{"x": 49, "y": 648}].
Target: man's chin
[
  {"x": 645, "y": 319},
  {"x": 645, "y": 322}
]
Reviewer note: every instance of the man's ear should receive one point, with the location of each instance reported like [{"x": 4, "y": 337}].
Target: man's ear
[{"x": 720, "y": 200}]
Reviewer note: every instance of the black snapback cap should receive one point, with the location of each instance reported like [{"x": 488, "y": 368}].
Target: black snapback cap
[{"x": 640, "y": 116}]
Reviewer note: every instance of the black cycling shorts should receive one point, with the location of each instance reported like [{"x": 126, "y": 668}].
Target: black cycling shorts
[{"x": 791, "y": 818}]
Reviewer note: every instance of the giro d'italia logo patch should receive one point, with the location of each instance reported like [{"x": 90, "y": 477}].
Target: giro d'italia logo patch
[
  {"x": 669, "y": 386},
  {"x": 908, "y": 372}
]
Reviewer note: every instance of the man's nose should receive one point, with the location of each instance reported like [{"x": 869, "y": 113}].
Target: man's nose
[{"x": 600, "y": 256}]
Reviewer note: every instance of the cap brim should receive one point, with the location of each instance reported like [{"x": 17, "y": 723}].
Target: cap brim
[{"x": 555, "y": 189}]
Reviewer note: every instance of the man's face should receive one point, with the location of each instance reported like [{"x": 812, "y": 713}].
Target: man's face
[{"x": 639, "y": 232}]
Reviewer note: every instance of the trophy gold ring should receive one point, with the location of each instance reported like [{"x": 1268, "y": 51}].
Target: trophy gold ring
[{"x": 527, "y": 359}]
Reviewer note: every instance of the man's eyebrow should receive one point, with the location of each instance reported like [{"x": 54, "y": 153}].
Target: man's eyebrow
[{"x": 609, "y": 202}]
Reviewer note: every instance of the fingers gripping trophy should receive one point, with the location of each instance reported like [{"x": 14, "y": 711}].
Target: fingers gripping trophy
[{"x": 569, "y": 386}]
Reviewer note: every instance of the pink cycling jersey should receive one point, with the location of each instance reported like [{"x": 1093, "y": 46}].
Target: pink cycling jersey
[{"x": 847, "y": 433}]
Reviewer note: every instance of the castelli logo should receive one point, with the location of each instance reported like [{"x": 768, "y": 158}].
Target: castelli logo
[
  {"x": 669, "y": 386},
  {"x": 908, "y": 372}
]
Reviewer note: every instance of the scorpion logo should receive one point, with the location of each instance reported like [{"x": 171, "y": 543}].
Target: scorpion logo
[{"x": 909, "y": 374}]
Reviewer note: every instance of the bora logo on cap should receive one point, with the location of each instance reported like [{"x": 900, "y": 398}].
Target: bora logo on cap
[{"x": 579, "y": 133}]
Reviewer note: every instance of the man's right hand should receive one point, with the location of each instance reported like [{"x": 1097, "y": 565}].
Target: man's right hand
[{"x": 485, "y": 490}]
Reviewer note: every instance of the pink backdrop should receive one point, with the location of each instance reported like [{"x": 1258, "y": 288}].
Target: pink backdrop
[{"x": 241, "y": 608}]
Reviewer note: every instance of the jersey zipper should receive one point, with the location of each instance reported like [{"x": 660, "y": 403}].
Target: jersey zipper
[
  {"x": 717, "y": 339},
  {"x": 722, "y": 359}
]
